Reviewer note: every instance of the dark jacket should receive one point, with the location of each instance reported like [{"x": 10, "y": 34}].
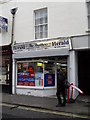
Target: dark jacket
[{"x": 60, "y": 81}]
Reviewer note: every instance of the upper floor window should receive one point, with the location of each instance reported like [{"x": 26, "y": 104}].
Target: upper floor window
[
  {"x": 88, "y": 7},
  {"x": 41, "y": 23}
]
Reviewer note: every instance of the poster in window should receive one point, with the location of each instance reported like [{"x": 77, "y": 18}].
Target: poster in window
[
  {"x": 25, "y": 75},
  {"x": 49, "y": 80},
  {"x": 38, "y": 79}
]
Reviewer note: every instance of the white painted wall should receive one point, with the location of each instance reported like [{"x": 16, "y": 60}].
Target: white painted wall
[
  {"x": 36, "y": 92},
  {"x": 6, "y": 7},
  {"x": 64, "y": 19}
]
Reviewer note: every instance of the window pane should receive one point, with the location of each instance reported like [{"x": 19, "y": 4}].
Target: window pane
[
  {"x": 41, "y": 28},
  {"x": 39, "y": 74},
  {"x": 88, "y": 5},
  {"x": 37, "y": 15},
  {"x": 41, "y": 20},
  {"x": 45, "y": 35},
  {"x": 49, "y": 74},
  {"x": 37, "y": 21},
  {"x": 25, "y": 74},
  {"x": 36, "y": 35},
  {"x": 45, "y": 27},
  {"x": 89, "y": 22},
  {"x": 37, "y": 29},
  {"x": 30, "y": 74},
  {"x": 45, "y": 13},
  {"x": 41, "y": 34},
  {"x": 41, "y": 13},
  {"x": 45, "y": 20}
]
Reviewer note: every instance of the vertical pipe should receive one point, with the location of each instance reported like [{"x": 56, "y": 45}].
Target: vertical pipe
[{"x": 12, "y": 37}]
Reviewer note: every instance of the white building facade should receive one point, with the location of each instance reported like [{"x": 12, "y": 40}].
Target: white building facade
[{"x": 48, "y": 35}]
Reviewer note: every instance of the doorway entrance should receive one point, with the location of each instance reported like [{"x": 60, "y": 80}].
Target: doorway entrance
[{"x": 84, "y": 71}]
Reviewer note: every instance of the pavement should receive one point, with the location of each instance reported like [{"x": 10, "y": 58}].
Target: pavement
[{"x": 80, "y": 106}]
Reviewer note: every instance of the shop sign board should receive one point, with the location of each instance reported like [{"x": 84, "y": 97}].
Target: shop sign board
[
  {"x": 3, "y": 23},
  {"x": 49, "y": 80},
  {"x": 47, "y": 44}
]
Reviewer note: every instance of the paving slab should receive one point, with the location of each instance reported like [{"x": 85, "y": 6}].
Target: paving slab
[{"x": 47, "y": 103}]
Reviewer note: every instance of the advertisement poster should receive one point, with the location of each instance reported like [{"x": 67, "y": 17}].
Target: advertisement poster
[
  {"x": 38, "y": 79},
  {"x": 49, "y": 80},
  {"x": 26, "y": 75}
]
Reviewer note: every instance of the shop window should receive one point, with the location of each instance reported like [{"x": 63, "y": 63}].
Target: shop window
[
  {"x": 5, "y": 70},
  {"x": 49, "y": 74},
  {"x": 30, "y": 74}
]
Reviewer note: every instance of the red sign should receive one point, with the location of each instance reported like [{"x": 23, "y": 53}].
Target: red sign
[{"x": 26, "y": 83}]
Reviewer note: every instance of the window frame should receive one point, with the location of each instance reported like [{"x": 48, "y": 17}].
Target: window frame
[
  {"x": 88, "y": 15},
  {"x": 35, "y": 87},
  {"x": 39, "y": 25}
]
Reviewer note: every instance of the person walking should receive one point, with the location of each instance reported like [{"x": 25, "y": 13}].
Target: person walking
[{"x": 60, "y": 88}]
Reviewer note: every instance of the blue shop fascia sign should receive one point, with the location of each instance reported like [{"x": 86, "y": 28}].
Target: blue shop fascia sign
[{"x": 3, "y": 23}]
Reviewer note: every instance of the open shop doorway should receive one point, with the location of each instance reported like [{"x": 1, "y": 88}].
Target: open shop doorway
[{"x": 84, "y": 71}]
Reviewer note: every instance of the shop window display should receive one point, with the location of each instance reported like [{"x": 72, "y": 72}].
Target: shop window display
[
  {"x": 30, "y": 74},
  {"x": 49, "y": 74},
  {"x": 5, "y": 70}
]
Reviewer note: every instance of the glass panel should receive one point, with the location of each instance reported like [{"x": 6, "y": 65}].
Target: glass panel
[
  {"x": 5, "y": 70},
  {"x": 37, "y": 21},
  {"x": 37, "y": 15},
  {"x": 45, "y": 20},
  {"x": 44, "y": 28},
  {"x": 45, "y": 35},
  {"x": 41, "y": 28},
  {"x": 88, "y": 22},
  {"x": 37, "y": 35},
  {"x": 41, "y": 13},
  {"x": 39, "y": 74},
  {"x": 88, "y": 5},
  {"x": 45, "y": 13},
  {"x": 41, "y": 34},
  {"x": 37, "y": 29},
  {"x": 30, "y": 74},
  {"x": 41, "y": 20},
  {"x": 49, "y": 74}
]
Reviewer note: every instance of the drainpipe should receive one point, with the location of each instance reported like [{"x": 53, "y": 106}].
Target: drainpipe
[{"x": 13, "y": 11}]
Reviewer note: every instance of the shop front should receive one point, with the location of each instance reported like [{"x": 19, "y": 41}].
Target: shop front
[
  {"x": 5, "y": 68},
  {"x": 35, "y": 70}
]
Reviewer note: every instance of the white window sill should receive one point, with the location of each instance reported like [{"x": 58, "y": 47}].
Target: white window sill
[
  {"x": 88, "y": 31},
  {"x": 36, "y": 87},
  {"x": 30, "y": 87}
]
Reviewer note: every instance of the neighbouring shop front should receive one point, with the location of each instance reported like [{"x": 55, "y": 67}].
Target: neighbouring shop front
[
  {"x": 35, "y": 66},
  {"x": 5, "y": 69},
  {"x": 83, "y": 71},
  {"x": 81, "y": 48}
]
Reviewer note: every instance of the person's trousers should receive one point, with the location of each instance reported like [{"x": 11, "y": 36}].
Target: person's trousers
[{"x": 59, "y": 93}]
